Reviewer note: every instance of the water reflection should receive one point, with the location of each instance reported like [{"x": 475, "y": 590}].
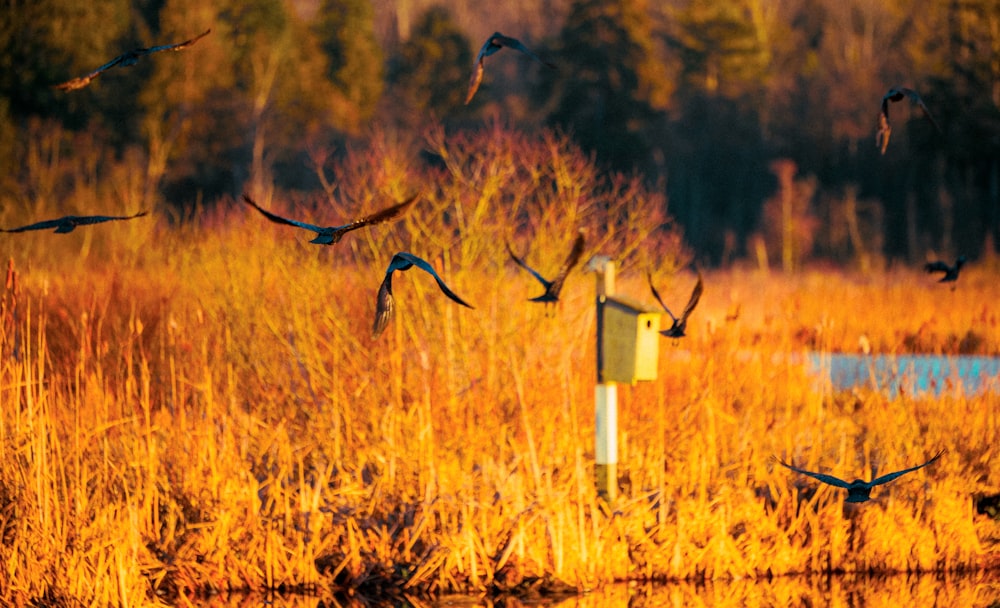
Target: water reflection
[
  {"x": 910, "y": 374},
  {"x": 846, "y": 590}
]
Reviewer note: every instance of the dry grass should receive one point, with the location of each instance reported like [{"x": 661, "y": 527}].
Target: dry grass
[{"x": 210, "y": 413}]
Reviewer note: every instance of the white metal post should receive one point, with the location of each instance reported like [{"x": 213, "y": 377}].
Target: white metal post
[
  {"x": 606, "y": 438},
  {"x": 605, "y": 393}
]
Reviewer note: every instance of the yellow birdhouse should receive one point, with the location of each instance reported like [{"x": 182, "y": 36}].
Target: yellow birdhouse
[{"x": 630, "y": 341}]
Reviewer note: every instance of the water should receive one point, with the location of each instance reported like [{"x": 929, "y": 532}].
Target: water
[
  {"x": 941, "y": 590},
  {"x": 908, "y": 374}
]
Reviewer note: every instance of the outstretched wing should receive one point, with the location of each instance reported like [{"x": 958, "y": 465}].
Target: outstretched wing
[
  {"x": 43, "y": 225},
  {"x": 97, "y": 219},
  {"x": 571, "y": 261},
  {"x": 283, "y": 220},
  {"x": 884, "y": 130},
  {"x": 916, "y": 99},
  {"x": 693, "y": 300},
  {"x": 82, "y": 81},
  {"x": 656, "y": 294},
  {"x": 827, "y": 479},
  {"x": 501, "y": 40},
  {"x": 180, "y": 46},
  {"x": 381, "y": 216},
  {"x": 936, "y": 266},
  {"x": 69, "y": 222},
  {"x": 520, "y": 262},
  {"x": 889, "y": 477},
  {"x": 897, "y": 94},
  {"x": 477, "y": 76},
  {"x": 423, "y": 265},
  {"x": 128, "y": 59},
  {"x": 385, "y": 306}
]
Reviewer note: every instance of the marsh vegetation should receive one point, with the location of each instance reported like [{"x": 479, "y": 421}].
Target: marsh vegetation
[{"x": 200, "y": 407}]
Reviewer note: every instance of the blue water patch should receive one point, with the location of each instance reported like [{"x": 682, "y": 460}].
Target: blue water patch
[{"x": 909, "y": 374}]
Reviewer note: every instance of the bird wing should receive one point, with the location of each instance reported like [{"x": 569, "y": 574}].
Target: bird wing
[
  {"x": 283, "y": 220},
  {"x": 882, "y": 134},
  {"x": 890, "y": 476},
  {"x": 385, "y": 306},
  {"x": 423, "y": 265},
  {"x": 520, "y": 262},
  {"x": 82, "y": 81},
  {"x": 827, "y": 479},
  {"x": 516, "y": 44},
  {"x": 179, "y": 46},
  {"x": 38, "y": 225},
  {"x": 656, "y": 294},
  {"x": 897, "y": 94},
  {"x": 893, "y": 94},
  {"x": 936, "y": 266},
  {"x": 915, "y": 98},
  {"x": 693, "y": 300},
  {"x": 930, "y": 117},
  {"x": 571, "y": 261},
  {"x": 477, "y": 76},
  {"x": 383, "y": 215},
  {"x": 97, "y": 219}
]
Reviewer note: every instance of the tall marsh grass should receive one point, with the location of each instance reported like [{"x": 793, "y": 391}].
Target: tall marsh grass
[{"x": 202, "y": 408}]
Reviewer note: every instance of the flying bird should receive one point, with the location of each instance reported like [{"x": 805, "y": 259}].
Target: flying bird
[
  {"x": 897, "y": 94},
  {"x": 332, "y": 234},
  {"x": 385, "y": 307},
  {"x": 857, "y": 490},
  {"x": 553, "y": 287},
  {"x": 126, "y": 59},
  {"x": 493, "y": 44},
  {"x": 950, "y": 272},
  {"x": 68, "y": 223},
  {"x": 680, "y": 323}
]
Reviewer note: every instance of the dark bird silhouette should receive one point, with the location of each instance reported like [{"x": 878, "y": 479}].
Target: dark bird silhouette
[
  {"x": 332, "y": 234},
  {"x": 857, "y": 490},
  {"x": 126, "y": 59},
  {"x": 385, "y": 307},
  {"x": 950, "y": 272},
  {"x": 680, "y": 323},
  {"x": 897, "y": 94},
  {"x": 493, "y": 44},
  {"x": 68, "y": 223},
  {"x": 553, "y": 287}
]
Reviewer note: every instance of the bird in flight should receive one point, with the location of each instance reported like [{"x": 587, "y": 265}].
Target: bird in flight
[
  {"x": 126, "y": 59},
  {"x": 68, "y": 223},
  {"x": 330, "y": 235},
  {"x": 897, "y": 94},
  {"x": 553, "y": 287},
  {"x": 857, "y": 490},
  {"x": 950, "y": 272},
  {"x": 680, "y": 323},
  {"x": 493, "y": 44},
  {"x": 385, "y": 307}
]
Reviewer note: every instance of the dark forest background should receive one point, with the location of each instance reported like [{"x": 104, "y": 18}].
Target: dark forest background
[{"x": 756, "y": 117}]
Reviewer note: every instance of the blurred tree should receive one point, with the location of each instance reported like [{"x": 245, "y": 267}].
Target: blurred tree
[
  {"x": 428, "y": 75},
  {"x": 789, "y": 222},
  {"x": 45, "y": 42},
  {"x": 346, "y": 33},
  {"x": 963, "y": 57},
  {"x": 719, "y": 152},
  {"x": 8, "y": 137},
  {"x": 185, "y": 112},
  {"x": 612, "y": 87},
  {"x": 720, "y": 46},
  {"x": 242, "y": 106},
  {"x": 718, "y": 168}
]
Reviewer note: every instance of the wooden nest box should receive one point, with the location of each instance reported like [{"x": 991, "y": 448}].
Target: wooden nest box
[{"x": 630, "y": 341}]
